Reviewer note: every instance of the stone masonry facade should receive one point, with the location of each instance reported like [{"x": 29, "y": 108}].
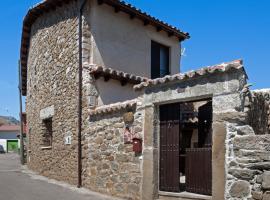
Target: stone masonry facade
[
  {"x": 110, "y": 165},
  {"x": 248, "y": 152},
  {"x": 52, "y": 81}
]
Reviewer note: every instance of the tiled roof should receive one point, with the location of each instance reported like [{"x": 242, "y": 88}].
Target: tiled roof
[
  {"x": 118, "y": 5},
  {"x": 223, "y": 67},
  {"x": 9, "y": 128},
  {"x": 123, "y": 77},
  {"x": 113, "y": 107}
]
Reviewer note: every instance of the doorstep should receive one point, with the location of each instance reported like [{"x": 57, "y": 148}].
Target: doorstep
[{"x": 182, "y": 196}]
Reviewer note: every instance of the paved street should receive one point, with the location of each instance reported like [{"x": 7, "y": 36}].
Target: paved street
[{"x": 17, "y": 183}]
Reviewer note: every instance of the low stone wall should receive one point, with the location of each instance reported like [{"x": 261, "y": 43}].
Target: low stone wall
[
  {"x": 247, "y": 164},
  {"x": 109, "y": 165},
  {"x": 259, "y": 112}
]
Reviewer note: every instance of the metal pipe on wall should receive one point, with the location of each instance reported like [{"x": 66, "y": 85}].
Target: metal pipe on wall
[
  {"x": 80, "y": 97},
  {"x": 21, "y": 118}
]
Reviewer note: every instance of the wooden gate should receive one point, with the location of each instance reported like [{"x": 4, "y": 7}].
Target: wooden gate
[
  {"x": 197, "y": 162},
  {"x": 169, "y": 148},
  {"x": 199, "y": 170}
]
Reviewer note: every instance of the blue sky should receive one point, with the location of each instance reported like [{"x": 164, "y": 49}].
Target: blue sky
[{"x": 221, "y": 30}]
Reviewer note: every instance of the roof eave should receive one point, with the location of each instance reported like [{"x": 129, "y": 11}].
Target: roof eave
[{"x": 47, "y": 5}]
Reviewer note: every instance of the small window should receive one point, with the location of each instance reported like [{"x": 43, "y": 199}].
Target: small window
[
  {"x": 47, "y": 133},
  {"x": 160, "y": 55}
]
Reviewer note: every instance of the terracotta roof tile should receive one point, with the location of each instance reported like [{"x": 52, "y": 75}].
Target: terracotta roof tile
[
  {"x": 47, "y": 5},
  {"x": 113, "y": 107},
  {"x": 223, "y": 67},
  {"x": 9, "y": 128},
  {"x": 116, "y": 74}
]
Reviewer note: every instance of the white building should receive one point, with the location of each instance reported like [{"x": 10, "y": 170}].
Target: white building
[{"x": 9, "y": 137}]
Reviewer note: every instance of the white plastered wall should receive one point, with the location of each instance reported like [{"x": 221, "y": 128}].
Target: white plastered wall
[
  {"x": 3, "y": 142},
  {"x": 125, "y": 44},
  {"x": 112, "y": 92}
]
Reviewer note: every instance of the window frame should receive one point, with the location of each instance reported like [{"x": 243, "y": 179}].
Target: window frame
[
  {"x": 154, "y": 73},
  {"x": 47, "y": 132}
]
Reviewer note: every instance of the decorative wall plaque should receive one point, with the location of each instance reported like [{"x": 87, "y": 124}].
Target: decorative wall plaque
[{"x": 68, "y": 138}]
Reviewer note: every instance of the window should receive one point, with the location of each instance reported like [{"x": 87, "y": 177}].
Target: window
[
  {"x": 159, "y": 60},
  {"x": 47, "y": 133}
]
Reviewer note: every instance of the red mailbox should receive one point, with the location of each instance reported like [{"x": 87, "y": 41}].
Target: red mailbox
[{"x": 137, "y": 145}]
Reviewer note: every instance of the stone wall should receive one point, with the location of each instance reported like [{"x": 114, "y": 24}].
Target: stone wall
[
  {"x": 109, "y": 165},
  {"x": 248, "y": 151},
  {"x": 52, "y": 81},
  {"x": 223, "y": 89},
  {"x": 259, "y": 112},
  {"x": 247, "y": 164}
]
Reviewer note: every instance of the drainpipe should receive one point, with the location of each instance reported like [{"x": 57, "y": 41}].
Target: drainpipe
[
  {"x": 21, "y": 122},
  {"x": 80, "y": 98}
]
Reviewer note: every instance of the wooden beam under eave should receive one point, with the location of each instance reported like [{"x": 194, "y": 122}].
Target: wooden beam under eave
[
  {"x": 123, "y": 82},
  {"x": 26, "y": 35},
  {"x": 24, "y": 50},
  {"x": 116, "y": 9},
  {"x": 107, "y": 78},
  {"x": 100, "y": 2},
  {"x": 59, "y": 3},
  {"x": 25, "y": 45},
  {"x": 26, "y": 28},
  {"x": 158, "y": 28},
  {"x": 132, "y": 16},
  {"x": 97, "y": 75},
  {"x": 23, "y": 57},
  {"x": 181, "y": 38},
  {"x": 170, "y": 34},
  {"x": 146, "y": 22}
]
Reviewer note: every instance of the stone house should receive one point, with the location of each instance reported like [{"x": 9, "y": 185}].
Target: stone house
[{"x": 107, "y": 108}]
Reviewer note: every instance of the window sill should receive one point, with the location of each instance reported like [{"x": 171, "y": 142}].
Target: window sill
[
  {"x": 185, "y": 195},
  {"x": 44, "y": 148}
]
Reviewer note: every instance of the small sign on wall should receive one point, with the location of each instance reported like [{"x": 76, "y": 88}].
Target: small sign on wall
[{"x": 68, "y": 138}]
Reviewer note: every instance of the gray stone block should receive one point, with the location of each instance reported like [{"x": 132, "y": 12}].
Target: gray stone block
[
  {"x": 245, "y": 130},
  {"x": 240, "y": 189},
  {"x": 266, "y": 180}
]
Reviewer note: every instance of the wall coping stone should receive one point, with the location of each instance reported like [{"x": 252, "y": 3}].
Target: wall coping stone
[{"x": 219, "y": 68}]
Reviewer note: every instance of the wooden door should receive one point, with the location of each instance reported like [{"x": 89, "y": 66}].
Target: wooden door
[
  {"x": 199, "y": 160},
  {"x": 205, "y": 125},
  {"x": 169, "y": 148},
  {"x": 199, "y": 170}
]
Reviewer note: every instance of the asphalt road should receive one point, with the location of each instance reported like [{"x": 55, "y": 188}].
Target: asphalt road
[{"x": 17, "y": 183}]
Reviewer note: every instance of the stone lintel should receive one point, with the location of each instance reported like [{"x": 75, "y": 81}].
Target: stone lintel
[{"x": 47, "y": 112}]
